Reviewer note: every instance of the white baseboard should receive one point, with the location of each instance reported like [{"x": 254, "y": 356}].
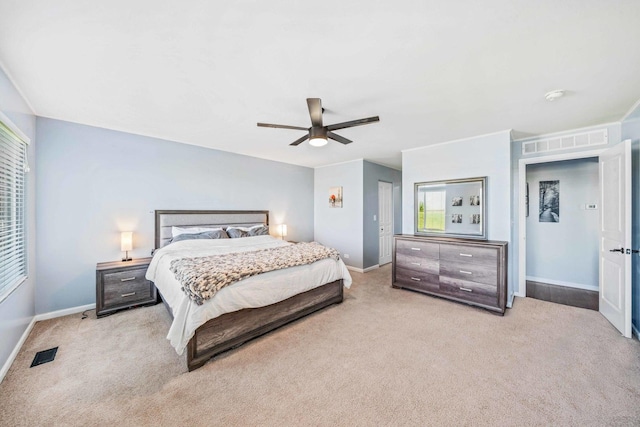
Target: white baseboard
[
  {"x": 362, "y": 270},
  {"x": 38, "y": 318},
  {"x": 510, "y": 300},
  {"x": 562, "y": 283},
  {"x": 65, "y": 312},
  {"x": 16, "y": 349}
]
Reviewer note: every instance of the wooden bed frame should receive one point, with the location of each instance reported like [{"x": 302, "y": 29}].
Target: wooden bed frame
[{"x": 233, "y": 329}]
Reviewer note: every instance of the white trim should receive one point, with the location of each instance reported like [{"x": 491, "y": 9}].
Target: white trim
[
  {"x": 13, "y": 82},
  {"x": 563, "y": 283},
  {"x": 631, "y": 110},
  {"x": 458, "y": 140},
  {"x": 522, "y": 218},
  {"x": 65, "y": 312},
  {"x": 39, "y": 318},
  {"x": 361, "y": 270},
  {"x": 339, "y": 163},
  {"x": 566, "y": 132},
  {"x": 16, "y": 349}
]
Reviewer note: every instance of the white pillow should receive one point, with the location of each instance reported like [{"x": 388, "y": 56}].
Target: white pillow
[{"x": 176, "y": 231}]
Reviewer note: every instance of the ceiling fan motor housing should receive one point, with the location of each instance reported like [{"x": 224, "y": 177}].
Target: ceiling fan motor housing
[{"x": 318, "y": 132}]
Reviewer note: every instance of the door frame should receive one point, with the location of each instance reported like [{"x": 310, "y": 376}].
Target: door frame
[
  {"x": 522, "y": 216},
  {"x": 392, "y": 216}
]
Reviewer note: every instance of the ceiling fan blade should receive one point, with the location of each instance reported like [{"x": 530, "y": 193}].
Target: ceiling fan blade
[
  {"x": 315, "y": 111},
  {"x": 340, "y": 139},
  {"x": 353, "y": 123},
  {"x": 300, "y": 140},
  {"x": 268, "y": 125}
]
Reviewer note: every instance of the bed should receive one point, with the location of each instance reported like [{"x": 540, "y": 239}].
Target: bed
[{"x": 243, "y": 310}]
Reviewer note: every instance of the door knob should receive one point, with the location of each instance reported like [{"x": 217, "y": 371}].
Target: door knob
[{"x": 621, "y": 250}]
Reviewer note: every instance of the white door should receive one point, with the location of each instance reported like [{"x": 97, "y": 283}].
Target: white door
[
  {"x": 385, "y": 216},
  {"x": 615, "y": 236}
]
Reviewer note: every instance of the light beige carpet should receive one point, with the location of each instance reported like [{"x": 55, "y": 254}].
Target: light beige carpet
[{"x": 383, "y": 357}]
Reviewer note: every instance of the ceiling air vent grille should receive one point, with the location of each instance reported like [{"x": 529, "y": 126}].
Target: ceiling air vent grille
[{"x": 578, "y": 140}]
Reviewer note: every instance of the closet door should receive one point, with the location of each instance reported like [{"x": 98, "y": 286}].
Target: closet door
[{"x": 615, "y": 236}]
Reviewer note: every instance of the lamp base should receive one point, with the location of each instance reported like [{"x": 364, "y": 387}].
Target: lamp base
[{"x": 126, "y": 259}]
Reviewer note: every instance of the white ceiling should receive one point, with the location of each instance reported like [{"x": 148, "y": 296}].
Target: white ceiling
[{"x": 204, "y": 72}]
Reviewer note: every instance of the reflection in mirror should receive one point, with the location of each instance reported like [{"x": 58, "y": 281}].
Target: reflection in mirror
[{"x": 455, "y": 208}]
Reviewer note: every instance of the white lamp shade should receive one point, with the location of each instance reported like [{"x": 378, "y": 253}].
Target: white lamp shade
[
  {"x": 126, "y": 241},
  {"x": 283, "y": 230}
]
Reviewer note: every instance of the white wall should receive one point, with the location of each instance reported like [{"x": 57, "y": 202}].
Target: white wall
[
  {"x": 487, "y": 155},
  {"x": 566, "y": 252},
  {"x": 94, "y": 183},
  {"x": 17, "y": 310},
  {"x": 340, "y": 228}
]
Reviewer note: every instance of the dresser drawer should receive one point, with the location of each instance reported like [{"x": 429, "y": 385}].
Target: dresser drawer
[
  {"x": 417, "y": 263},
  {"x": 469, "y": 254},
  {"x": 417, "y": 280},
  {"x": 470, "y": 272},
  {"x": 419, "y": 249},
  {"x": 469, "y": 291}
]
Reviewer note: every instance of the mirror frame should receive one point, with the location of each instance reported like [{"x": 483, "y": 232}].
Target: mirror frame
[{"x": 466, "y": 209}]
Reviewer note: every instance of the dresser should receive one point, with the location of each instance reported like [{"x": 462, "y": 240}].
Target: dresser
[
  {"x": 121, "y": 284},
  {"x": 469, "y": 271}
]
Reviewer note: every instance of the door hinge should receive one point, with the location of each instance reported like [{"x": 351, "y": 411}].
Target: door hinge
[{"x": 634, "y": 251}]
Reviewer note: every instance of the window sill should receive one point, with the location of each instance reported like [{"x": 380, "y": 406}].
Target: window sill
[{"x": 4, "y": 294}]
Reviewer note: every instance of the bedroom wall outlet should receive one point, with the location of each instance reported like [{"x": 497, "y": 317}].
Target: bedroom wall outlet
[{"x": 346, "y": 256}]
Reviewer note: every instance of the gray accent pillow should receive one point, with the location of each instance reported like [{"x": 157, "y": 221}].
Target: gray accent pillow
[
  {"x": 256, "y": 230},
  {"x": 215, "y": 234}
]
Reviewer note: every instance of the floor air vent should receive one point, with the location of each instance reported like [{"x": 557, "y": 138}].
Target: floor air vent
[
  {"x": 44, "y": 357},
  {"x": 599, "y": 137}
]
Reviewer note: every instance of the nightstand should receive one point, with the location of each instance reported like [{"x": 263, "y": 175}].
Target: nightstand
[{"x": 121, "y": 284}]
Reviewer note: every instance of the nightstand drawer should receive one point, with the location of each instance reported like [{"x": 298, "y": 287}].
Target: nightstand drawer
[
  {"x": 125, "y": 276},
  {"x": 117, "y": 293}
]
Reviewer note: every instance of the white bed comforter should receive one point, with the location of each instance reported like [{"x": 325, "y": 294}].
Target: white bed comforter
[{"x": 257, "y": 291}]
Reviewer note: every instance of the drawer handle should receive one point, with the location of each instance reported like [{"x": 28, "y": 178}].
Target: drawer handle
[
  {"x": 130, "y": 294},
  {"x": 465, "y": 272},
  {"x": 416, "y": 279},
  {"x": 469, "y": 255},
  {"x": 415, "y": 263},
  {"x": 415, "y": 249},
  {"x": 466, "y": 289},
  {"x": 128, "y": 279}
]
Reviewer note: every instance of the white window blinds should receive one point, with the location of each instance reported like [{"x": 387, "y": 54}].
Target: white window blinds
[{"x": 13, "y": 166}]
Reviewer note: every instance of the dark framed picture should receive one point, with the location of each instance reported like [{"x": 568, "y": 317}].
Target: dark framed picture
[{"x": 549, "y": 201}]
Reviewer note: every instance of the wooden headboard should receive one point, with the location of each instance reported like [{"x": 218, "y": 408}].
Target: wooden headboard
[{"x": 189, "y": 218}]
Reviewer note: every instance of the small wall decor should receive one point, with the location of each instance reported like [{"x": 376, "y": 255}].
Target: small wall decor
[
  {"x": 335, "y": 197},
  {"x": 456, "y": 218},
  {"x": 475, "y": 219},
  {"x": 474, "y": 200},
  {"x": 456, "y": 201},
  {"x": 549, "y": 201}
]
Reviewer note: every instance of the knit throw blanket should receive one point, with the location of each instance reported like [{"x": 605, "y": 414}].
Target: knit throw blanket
[{"x": 202, "y": 277}]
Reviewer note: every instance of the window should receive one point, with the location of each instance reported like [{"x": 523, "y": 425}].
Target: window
[{"x": 13, "y": 247}]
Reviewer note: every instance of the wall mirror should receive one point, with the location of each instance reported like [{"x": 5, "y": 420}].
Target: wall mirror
[{"x": 452, "y": 208}]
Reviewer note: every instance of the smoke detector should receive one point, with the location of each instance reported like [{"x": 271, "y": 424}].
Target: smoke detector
[{"x": 554, "y": 94}]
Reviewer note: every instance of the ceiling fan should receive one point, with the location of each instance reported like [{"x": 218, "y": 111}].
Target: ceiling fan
[{"x": 317, "y": 133}]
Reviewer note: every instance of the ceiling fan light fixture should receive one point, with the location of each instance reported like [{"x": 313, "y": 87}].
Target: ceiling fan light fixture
[{"x": 318, "y": 141}]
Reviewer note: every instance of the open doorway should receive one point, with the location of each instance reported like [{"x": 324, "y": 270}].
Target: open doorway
[{"x": 562, "y": 232}]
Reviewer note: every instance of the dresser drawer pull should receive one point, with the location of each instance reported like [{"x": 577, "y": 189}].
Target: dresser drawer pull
[
  {"x": 465, "y": 272},
  {"x": 415, "y": 263},
  {"x": 466, "y": 289},
  {"x": 469, "y": 255},
  {"x": 417, "y": 279},
  {"x": 130, "y": 294},
  {"x": 415, "y": 249},
  {"x": 128, "y": 279}
]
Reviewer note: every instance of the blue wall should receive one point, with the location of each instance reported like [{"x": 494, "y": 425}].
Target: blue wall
[
  {"x": 17, "y": 310},
  {"x": 371, "y": 241},
  {"x": 94, "y": 183}
]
